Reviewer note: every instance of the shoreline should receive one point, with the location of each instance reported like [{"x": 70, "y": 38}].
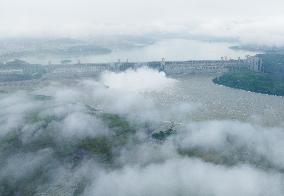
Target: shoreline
[{"x": 252, "y": 82}]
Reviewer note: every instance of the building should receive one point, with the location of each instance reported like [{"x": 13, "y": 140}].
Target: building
[{"x": 254, "y": 63}]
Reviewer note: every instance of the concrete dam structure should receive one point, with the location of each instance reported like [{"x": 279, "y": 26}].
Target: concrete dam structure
[
  {"x": 169, "y": 67},
  {"x": 211, "y": 66},
  {"x": 22, "y": 71},
  {"x": 198, "y": 67}
]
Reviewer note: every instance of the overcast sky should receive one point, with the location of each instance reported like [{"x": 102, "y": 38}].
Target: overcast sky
[{"x": 250, "y": 21}]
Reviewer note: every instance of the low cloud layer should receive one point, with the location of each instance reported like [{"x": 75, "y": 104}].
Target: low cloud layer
[
  {"x": 93, "y": 137},
  {"x": 144, "y": 80},
  {"x": 188, "y": 177}
]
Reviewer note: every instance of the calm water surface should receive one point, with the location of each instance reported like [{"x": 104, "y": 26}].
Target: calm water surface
[{"x": 171, "y": 49}]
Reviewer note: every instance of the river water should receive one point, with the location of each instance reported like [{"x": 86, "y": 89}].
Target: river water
[
  {"x": 217, "y": 102},
  {"x": 212, "y": 101},
  {"x": 171, "y": 49},
  {"x": 209, "y": 100}
]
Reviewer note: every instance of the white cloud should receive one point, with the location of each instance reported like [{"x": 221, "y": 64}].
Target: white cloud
[
  {"x": 187, "y": 177},
  {"x": 141, "y": 80},
  {"x": 142, "y": 166}
]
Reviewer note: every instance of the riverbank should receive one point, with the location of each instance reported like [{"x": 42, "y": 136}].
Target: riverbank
[{"x": 252, "y": 81}]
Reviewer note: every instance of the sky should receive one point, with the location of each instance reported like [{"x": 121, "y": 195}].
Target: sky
[{"x": 249, "y": 21}]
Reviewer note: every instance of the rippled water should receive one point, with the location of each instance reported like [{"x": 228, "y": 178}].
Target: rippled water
[
  {"x": 218, "y": 102},
  {"x": 207, "y": 100}
]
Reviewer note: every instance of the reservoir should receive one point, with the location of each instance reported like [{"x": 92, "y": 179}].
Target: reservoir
[{"x": 171, "y": 49}]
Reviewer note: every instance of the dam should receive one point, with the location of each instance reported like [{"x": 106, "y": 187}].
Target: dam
[{"x": 21, "y": 70}]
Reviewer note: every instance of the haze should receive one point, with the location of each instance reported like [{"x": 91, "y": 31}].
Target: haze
[
  {"x": 141, "y": 97},
  {"x": 249, "y": 22}
]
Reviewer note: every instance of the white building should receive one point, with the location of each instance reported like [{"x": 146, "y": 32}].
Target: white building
[{"x": 254, "y": 63}]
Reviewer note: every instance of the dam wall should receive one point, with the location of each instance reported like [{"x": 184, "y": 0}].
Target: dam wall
[{"x": 9, "y": 72}]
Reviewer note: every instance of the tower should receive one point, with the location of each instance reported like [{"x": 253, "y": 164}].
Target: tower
[{"x": 162, "y": 65}]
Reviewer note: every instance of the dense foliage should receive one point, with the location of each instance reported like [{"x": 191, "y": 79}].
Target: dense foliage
[
  {"x": 273, "y": 63},
  {"x": 253, "y": 81}
]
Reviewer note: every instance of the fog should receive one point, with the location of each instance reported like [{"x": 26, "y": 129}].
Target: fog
[
  {"x": 249, "y": 22},
  {"x": 128, "y": 80},
  {"x": 110, "y": 136},
  {"x": 137, "y": 132}
]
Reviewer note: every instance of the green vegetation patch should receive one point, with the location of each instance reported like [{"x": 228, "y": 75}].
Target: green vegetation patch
[
  {"x": 99, "y": 146},
  {"x": 42, "y": 97},
  {"x": 232, "y": 157},
  {"x": 118, "y": 124},
  {"x": 163, "y": 135},
  {"x": 273, "y": 63},
  {"x": 253, "y": 81}
]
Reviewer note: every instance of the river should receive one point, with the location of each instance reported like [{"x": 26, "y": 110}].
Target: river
[
  {"x": 171, "y": 49},
  {"x": 217, "y": 102}
]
